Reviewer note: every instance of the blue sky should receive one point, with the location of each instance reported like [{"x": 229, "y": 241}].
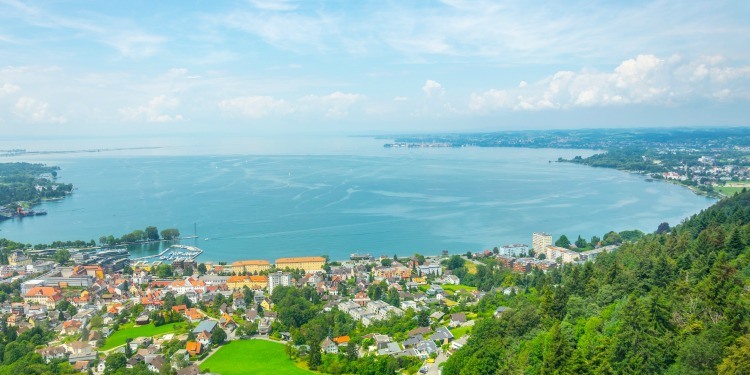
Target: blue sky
[{"x": 282, "y": 67}]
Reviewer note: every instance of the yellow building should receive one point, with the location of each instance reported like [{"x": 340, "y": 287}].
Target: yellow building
[
  {"x": 43, "y": 295},
  {"x": 250, "y": 266},
  {"x": 250, "y": 281},
  {"x": 309, "y": 264}
]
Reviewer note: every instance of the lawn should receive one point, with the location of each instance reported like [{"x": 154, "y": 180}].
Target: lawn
[
  {"x": 458, "y": 332},
  {"x": 471, "y": 267},
  {"x": 252, "y": 357},
  {"x": 454, "y": 288},
  {"x": 129, "y": 331},
  {"x": 729, "y": 191}
]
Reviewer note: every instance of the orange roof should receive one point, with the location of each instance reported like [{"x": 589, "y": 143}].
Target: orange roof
[
  {"x": 179, "y": 308},
  {"x": 236, "y": 279},
  {"x": 251, "y": 263},
  {"x": 193, "y": 346},
  {"x": 259, "y": 279},
  {"x": 341, "y": 339},
  {"x": 46, "y": 291},
  {"x": 300, "y": 259}
]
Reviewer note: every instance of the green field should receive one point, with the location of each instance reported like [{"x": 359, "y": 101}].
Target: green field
[
  {"x": 251, "y": 357},
  {"x": 729, "y": 191},
  {"x": 129, "y": 331}
]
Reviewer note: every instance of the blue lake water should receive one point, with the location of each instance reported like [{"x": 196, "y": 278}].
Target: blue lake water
[{"x": 252, "y": 203}]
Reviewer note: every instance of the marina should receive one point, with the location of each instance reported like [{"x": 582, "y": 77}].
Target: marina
[{"x": 173, "y": 253}]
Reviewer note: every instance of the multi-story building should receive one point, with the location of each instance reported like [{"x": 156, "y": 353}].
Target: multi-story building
[
  {"x": 514, "y": 250},
  {"x": 43, "y": 295},
  {"x": 250, "y": 266},
  {"x": 308, "y": 264},
  {"x": 540, "y": 241},
  {"x": 565, "y": 255},
  {"x": 279, "y": 279}
]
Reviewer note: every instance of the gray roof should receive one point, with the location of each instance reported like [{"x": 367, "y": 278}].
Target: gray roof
[
  {"x": 441, "y": 333},
  {"x": 205, "y": 325}
]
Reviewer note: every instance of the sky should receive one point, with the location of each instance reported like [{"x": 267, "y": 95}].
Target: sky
[{"x": 142, "y": 68}]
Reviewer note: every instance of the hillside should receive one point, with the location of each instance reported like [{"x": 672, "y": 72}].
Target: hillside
[{"x": 673, "y": 303}]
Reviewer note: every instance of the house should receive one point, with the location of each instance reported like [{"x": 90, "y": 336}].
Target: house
[
  {"x": 190, "y": 370},
  {"x": 425, "y": 348},
  {"x": 156, "y": 363},
  {"x": 381, "y": 341},
  {"x": 264, "y": 326},
  {"x": 329, "y": 346},
  {"x": 341, "y": 340},
  {"x": 193, "y": 348},
  {"x": 140, "y": 342},
  {"x": 142, "y": 319},
  {"x": 457, "y": 320},
  {"x": 436, "y": 316},
  {"x": 442, "y": 335},
  {"x": 193, "y": 315},
  {"x": 205, "y": 325},
  {"x": 80, "y": 351},
  {"x": 53, "y": 352},
  {"x": 204, "y": 338},
  {"x": 500, "y": 311}
]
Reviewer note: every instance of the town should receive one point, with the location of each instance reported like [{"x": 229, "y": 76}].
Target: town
[{"x": 104, "y": 313}]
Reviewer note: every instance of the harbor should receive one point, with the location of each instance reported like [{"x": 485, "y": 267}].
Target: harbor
[{"x": 173, "y": 253}]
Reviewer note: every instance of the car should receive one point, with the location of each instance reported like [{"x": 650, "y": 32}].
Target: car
[{"x": 424, "y": 370}]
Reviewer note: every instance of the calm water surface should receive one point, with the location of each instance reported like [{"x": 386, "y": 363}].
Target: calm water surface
[{"x": 248, "y": 202}]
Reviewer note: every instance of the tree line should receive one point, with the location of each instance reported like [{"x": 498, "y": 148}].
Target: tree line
[{"x": 672, "y": 302}]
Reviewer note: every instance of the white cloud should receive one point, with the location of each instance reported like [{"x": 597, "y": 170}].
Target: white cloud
[
  {"x": 254, "y": 106},
  {"x": 432, "y": 88},
  {"x": 400, "y": 99},
  {"x": 35, "y": 110},
  {"x": 8, "y": 88},
  {"x": 334, "y": 105},
  {"x": 135, "y": 44},
  {"x": 158, "y": 109},
  {"x": 646, "y": 79}
]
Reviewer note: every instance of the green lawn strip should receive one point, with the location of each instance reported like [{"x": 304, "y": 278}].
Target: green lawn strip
[
  {"x": 460, "y": 331},
  {"x": 252, "y": 357},
  {"x": 129, "y": 331}
]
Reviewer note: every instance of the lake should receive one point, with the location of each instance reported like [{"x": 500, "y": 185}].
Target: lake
[{"x": 257, "y": 200}]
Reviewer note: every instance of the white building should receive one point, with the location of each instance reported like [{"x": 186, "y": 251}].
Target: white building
[{"x": 278, "y": 279}]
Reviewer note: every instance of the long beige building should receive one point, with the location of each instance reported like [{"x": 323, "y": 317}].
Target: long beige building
[
  {"x": 309, "y": 264},
  {"x": 250, "y": 266}
]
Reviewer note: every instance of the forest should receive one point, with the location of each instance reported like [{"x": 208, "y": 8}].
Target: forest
[
  {"x": 30, "y": 183},
  {"x": 670, "y": 303}
]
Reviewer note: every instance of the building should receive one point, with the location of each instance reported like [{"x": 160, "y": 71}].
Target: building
[
  {"x": 514, "y": 250},
  {"x": 18, "y": 258},
  {"x": 250, "y": 281},
  {"x": 540, "y": 241},
  {"x": 329, "y": 346},
  {"x": 43, "y": 295},
  {"x": 430, "y": 269},
  {"x": 308, "y": 264},
  {"x": 250, "y": 266},
  {"x": 565, "y": 255},
  {"x": 278, "y": 279}
]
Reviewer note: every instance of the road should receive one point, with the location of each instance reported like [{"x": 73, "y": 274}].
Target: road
[{"x": 435, "y": 367}]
